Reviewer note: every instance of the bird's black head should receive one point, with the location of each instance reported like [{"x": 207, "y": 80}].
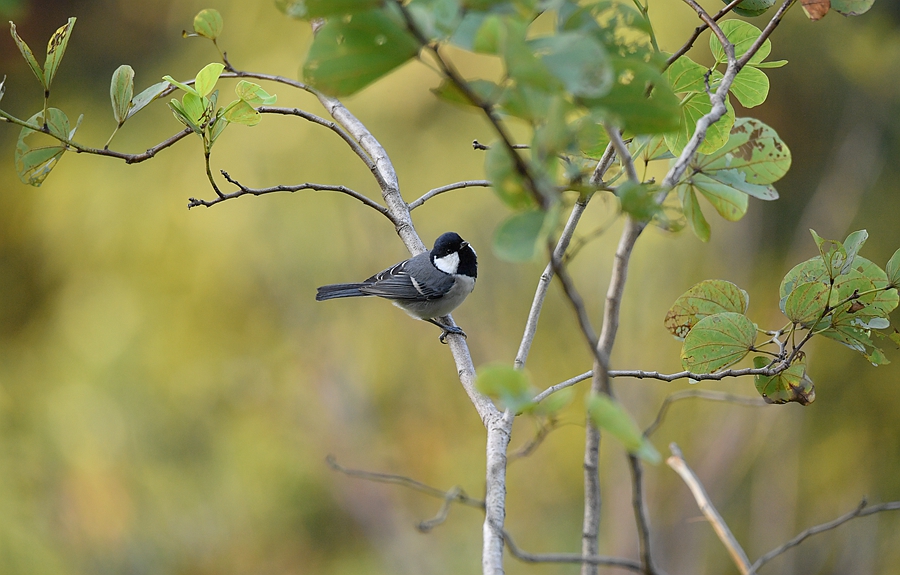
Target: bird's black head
[{"x": 449, "y": 245}]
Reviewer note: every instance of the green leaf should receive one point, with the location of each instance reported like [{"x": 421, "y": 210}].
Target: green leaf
[
  {"x": 512, "y": 386},
  {"x": 812, "y": 270},
  {"x": 216, "y": 127},
  {"x": 140, "y": 101},
  {"x": 806, "y": 302},
  {"x": 753, "y": 148},
  {"x": 751, "y": 8},
  {"x": 729, "y": 202},
  {"x": 704, "y": 299},
  {"x": 505, "y": 180},
  {"x": 177, "y": 84},
  {"x": 882, "y": 302},
  {"x": 526, "y": 102},
  {"x": 639, "y": 200},
  {"x": 609, "y": 415},
  {"x": 350, "y": 53},
  {"x": 486, "y": 90},
  {"x": 522, "y": 65},
  {"x": 685, "y": 75},
  {"x": 691, "y": 208},
  {"x": 692, "y": 110},
  {"x": 253, "y": 94},
  {"x": 121, "y": 91},
  {"x": 717, "y": 341},
  {"x": 28, "y": 55},
  {"x": 852, "y": 7},
  {"x": 517, "y": 238},
  {"x": 627, "y": 105},
  {"x": 791, "y": 385},
  {"x": 56, "y": 48},
  {"x": 193, "y": 106},
  {"x": 328, "y": 8},
  {"x": 737, "y": 179},
  {"x": 182, "y": 116},
  {"x": 36, "y": 153},
  {"x": 438, "y": 19},
  {"x": 578, "y": 61},
  {"x": 750, "y": 87},
  {"x": 241, "y": 112},
  {"x": 742, "y": 35},
  {"x": 208, "y": 23},
  {"x": 893, "y": 270},
  {"x": 852, "y": 245},
  {"x": 206, "y": 78},
  {"x": 489, "y": 36},
  {"x": 833, "y": 254}
]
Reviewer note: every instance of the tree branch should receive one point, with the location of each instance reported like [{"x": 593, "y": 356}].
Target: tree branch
[
  {"x": 677, "y": 462},
  {"x": 861, "y": 511},
  {"x": 685, "y": 48},
  {"x": 448, "y": 188},
  {"x": 569, "y": 557},
  {"x": 244, "y": 190},
  {"x": 641, "y": 518}
]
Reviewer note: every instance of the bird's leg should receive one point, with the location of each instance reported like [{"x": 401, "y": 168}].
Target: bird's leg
[{"x": 448, "y": 329}]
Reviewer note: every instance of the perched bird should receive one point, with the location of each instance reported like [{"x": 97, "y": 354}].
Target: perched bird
[{"x": 427, "y": 286}]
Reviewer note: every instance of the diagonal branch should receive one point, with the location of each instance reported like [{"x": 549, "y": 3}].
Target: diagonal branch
[
  {"x": 570, "y": 557},
  {"x": 677, "y": 462},
  {"x": 685, "y": 48},
  {"x": 861, "y": 511}
]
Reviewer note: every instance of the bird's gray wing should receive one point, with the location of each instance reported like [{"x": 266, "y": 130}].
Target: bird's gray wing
[{"x": 397, "y": 283}]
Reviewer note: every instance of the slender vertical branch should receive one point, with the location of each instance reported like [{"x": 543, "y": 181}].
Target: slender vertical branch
[
  {"x": 641, "y": 519},
  {"x": 677, "y": 462}
]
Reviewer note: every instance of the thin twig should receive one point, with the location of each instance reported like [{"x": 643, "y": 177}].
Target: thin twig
[
  {"x": 459, "y": 496},
  {"x": 570, "y": 557},
  {"x": 357, "y": 149},
  {"x": 641, "y": 518},
  {"x": 677, "y": 462},
  {"x": 766, "y": 32},
  {"x": 700, "y": 394},
  {"x": 615, "y": 139},
  {"x": 638, "y": 374},
  {"x": 540, "y": 293},
  {"x": 697, "y": 31},
  {"x": 448, "y": 188},
  {"x": 243, "y": 190},
  {"x": 861, "y": 510}
]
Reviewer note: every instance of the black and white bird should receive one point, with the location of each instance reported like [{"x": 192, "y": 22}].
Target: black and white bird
[{"x": 427, "y": 286}]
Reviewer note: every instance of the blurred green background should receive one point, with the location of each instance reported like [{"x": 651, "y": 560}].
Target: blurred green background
[{"x": 169, "y": 388}]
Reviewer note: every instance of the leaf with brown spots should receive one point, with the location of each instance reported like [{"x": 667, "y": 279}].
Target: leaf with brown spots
[
  {"x": 704, "y": 299},
  {"x": 816, "y": 9}
]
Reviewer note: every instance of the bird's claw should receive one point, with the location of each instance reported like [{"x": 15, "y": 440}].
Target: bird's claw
[{"x": 450, "y": 330}]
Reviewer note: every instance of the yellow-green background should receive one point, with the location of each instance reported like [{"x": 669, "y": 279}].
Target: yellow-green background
[{"x": 169, "y": 388}]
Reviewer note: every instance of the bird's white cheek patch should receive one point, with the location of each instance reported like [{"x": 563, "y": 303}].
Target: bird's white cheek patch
[{"x": 447, "y": 264}]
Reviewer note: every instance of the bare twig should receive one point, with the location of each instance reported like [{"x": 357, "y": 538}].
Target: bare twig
[
  {"x": 357, "y": 149},
  {"x": 861, "y": 510},
  {"x": 570, "y": 557},
  {"x": 639, "y": 504},
  {"x": 700, "y": 394},
  {"x": 540, "y": 293},
  {"x": 677, "y": 462},
  {"x": 448, "y": 188},
  {"x": 615, "y": 140},
  {"x": 766, "y": 32},
  {"x": 697, "y": 31},
  {"x": 244, "y": 190},
  {"x": 458, "y": 495}
]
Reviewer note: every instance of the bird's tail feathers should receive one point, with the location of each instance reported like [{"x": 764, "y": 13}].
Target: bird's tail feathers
[{"x": 335, "y": 291}]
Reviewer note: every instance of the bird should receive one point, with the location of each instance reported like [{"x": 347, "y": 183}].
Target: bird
[{"x": 427, "y": 286}]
